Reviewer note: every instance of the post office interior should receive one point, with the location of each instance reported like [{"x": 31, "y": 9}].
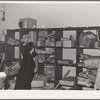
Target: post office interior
[{"x": 68, "y": 36}]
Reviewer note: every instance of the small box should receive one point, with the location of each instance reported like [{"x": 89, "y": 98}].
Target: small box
[
  {"x": 68, "y": 43},
  {"x": 49, "y": 71},
  {"x": 65, "y": 61},
  {"x": 37, "y": 83},
  {"x": 70, "y": 81},
  {"x": 51, "y": 39},
  {"x": 59, "y": 44},
  {"x": 40, "y": 43},
  {"x": 50, "y": 44},
  {"x": 43, "y": 33}
]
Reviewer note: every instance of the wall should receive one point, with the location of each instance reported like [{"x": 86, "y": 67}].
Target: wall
[{"x": 53, "y": 15}]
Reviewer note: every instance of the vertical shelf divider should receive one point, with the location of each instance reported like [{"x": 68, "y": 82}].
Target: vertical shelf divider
[{"x": 78, "y": 52}]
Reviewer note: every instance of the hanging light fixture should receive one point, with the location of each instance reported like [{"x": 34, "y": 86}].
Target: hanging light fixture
[
  {"x": 3, "y": 12},
  {"x": 4, "y": 31}
]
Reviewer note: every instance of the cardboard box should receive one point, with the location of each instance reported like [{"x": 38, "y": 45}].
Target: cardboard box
[
  {"x": 49, "y": 71},
  {"x": 59, "y": 44},
  {"x": 37, "y": 83},
  {"x": 50, "y": 44},
  {"x": 68, "y": 43},
  {"x": 40, "y": 43},
  {"x": 43, "y": 33},
  {"x": 65, "y": 61},
  {"x": 70, "y": 81},
  {"x": 51, "y": 39}
]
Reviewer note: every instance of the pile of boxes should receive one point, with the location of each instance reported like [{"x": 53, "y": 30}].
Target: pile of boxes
[
  {"x": 45, "y": 39},
  {"x": 49, "y": 71},
  {"x": 66, "y": 42},
  {"x": 27, "y": 23}
]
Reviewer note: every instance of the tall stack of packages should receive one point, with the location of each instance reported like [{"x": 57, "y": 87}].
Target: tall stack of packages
[{"x": 28, "y": 23}]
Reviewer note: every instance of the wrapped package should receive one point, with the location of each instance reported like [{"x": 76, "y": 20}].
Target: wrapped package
[
  {"x": 43, "y": 33},
  {"x": 65, "y": 61},
  {"x": 41, "y": 58},
  {"x": 91, "y": 78},
  {"x": 88, "y": 75},
  {"x": 70, "y": 81},
  {"x": 68, "y": 43},
  {"x": 87, "y": 39},
  {"x": 12, "y": 69},
  {"x": 39, "y": 81},
  {"x": 12, "y": 42},
  {"x": 91, "y": 62},
  {"x": 50, "y": 44},
  {"x": 49, "y": 71},
  {"x": 51, "y": 39},
  {"x": 41, "y": 42},
  {"x": 85, "y": 83}
]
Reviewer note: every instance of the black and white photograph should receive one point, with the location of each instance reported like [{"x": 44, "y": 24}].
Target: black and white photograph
[{"x": 50, "y": 46}]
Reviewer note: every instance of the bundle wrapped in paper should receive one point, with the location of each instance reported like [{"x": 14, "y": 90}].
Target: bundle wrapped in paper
[
  {"x": 89, "y": 61},
  {"x": 12, "y": 69},
  {"x": 12, "y": 42},
  {"x": 88, "y": 75}
]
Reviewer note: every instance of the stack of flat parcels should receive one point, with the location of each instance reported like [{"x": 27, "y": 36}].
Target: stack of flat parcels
[
  {"x": 65, "y": 61},
  {"x": 68, "y": 43},
  {"x": 37, "y": 83},
  {"x": 87, "y": 78},
  {"x": 69, "y": 81},
  {"x": 67, "y": 88}
]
